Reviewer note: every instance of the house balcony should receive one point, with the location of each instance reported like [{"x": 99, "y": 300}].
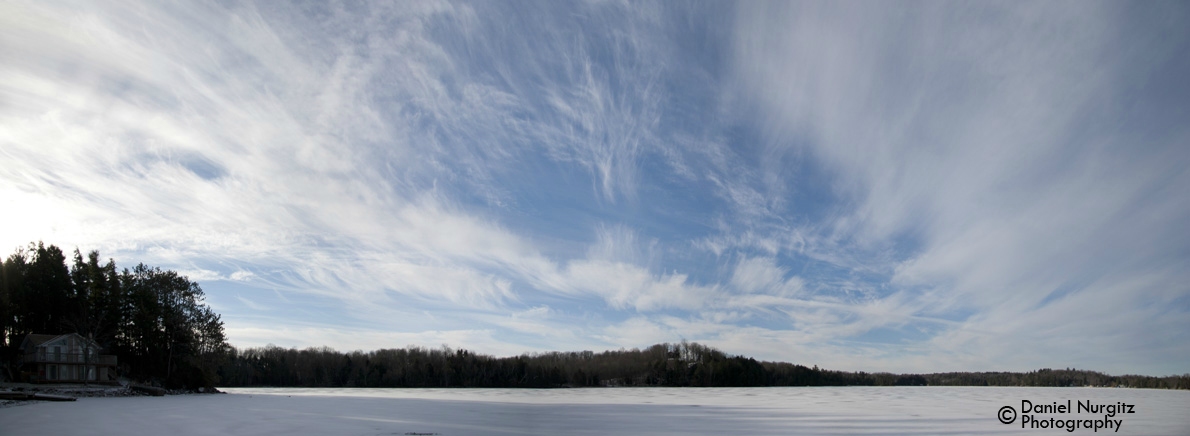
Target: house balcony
[{"x": 70, "y": 358}]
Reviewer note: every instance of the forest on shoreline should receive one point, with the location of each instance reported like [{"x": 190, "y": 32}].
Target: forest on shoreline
[
  {"x": 157, "y": 324},
  {"x": 685, "y": 364},
  {"x": 154, "y": 321}
]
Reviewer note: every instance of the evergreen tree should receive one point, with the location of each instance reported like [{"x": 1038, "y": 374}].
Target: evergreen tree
[
  {"x": 46, "y": 297},
  {"x": 154, "y": 320},
  {"x": 12, "y": 284}
]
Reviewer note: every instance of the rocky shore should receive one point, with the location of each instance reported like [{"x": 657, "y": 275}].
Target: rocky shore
[{"x": 91, "y": 391}]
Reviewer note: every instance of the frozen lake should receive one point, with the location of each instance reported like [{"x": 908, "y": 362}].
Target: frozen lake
[{"x": 629, "y": 411}]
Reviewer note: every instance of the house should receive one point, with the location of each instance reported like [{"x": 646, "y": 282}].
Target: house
[{"x": 65, "y": 358}]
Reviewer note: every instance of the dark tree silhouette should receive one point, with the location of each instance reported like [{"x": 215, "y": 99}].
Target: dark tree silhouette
[{"x": 153, "y": 320}]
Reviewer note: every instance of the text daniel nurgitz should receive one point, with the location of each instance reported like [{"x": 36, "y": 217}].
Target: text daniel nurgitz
[{"x": 1029, "y": 410}]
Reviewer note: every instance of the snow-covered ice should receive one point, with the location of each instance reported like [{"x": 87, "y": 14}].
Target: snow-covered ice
[{"x": 634, "y": 411}]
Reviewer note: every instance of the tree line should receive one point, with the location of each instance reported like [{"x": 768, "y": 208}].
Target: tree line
[
  {"x": 686, "y": 364},
  {"x": 681, "y": 364},
  {"x": 155, "y": 321}
]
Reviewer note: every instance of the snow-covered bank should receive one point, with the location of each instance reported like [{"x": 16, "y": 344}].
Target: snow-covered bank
[{"x": 751, "y": 411}]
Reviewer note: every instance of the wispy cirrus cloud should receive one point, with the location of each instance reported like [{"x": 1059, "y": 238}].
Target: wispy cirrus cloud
[
  {"x": 994, "y": 148},
  {"x": 863, "y": 189}
]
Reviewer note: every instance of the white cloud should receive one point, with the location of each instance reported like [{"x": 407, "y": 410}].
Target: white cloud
[
  {"x": 241, "y": 276},
  {"x": 960, "y": 133},
  {"x": 366, "y": 340},
  {"x": 951, "y": 174},
  {"x": 761, "y": 274},
  {"x": 252, "y": 304}
]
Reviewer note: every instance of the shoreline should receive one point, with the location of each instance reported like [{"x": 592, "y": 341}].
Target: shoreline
[{"x": 91, "y": 391}]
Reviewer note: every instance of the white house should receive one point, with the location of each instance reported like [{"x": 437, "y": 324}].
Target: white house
[{"x": 65, "y": 358}]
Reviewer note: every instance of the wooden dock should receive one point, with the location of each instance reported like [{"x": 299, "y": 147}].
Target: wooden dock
[{"x": 28, "y": 396}]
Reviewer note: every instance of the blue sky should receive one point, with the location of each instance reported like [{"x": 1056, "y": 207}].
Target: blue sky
[{"x": 862, "y": 186}]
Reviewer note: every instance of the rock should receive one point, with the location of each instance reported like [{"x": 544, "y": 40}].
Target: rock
[{"x": 154, "y": 391}]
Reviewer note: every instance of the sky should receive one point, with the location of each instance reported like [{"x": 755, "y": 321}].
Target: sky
[{"x": 876, "y": 186}]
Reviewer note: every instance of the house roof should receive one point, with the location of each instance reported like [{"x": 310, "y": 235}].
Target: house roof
[{"x": 36, "y": 339}]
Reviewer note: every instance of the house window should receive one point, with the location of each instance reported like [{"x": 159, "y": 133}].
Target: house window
[{"x": 51, "y": 372}]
